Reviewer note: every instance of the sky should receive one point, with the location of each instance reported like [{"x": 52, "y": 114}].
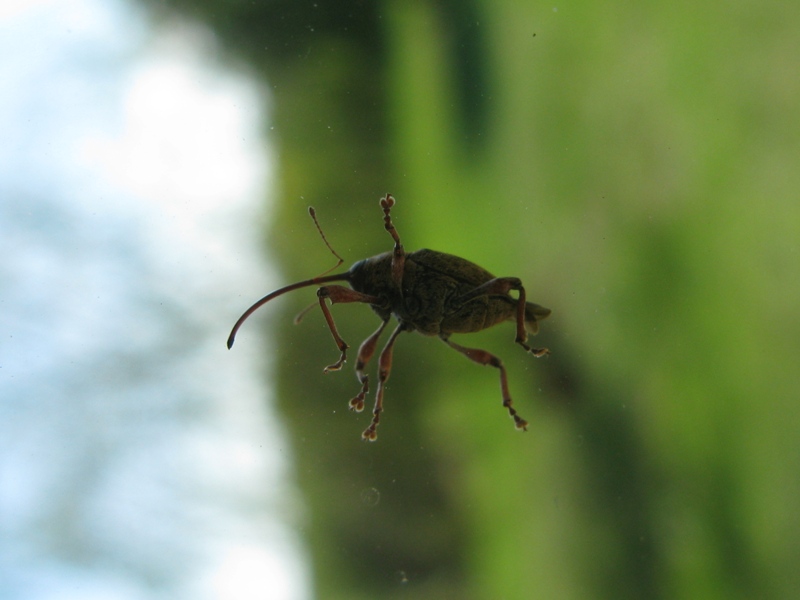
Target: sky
[{"x": 139, "y": 458}]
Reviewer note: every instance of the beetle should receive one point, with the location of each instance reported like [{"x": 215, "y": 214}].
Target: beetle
[{"x": 431, "y": 292}]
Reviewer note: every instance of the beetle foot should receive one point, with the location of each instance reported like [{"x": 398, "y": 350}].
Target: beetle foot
[
  {"x": 338, "y": 364},
  {"x": 537, "y": 352},
  {"x": 370, "y": 435},
  {"x": 519, "y": 422},
  {"x": 357, "y": 403},
  {"x": 387, "y": 201}
]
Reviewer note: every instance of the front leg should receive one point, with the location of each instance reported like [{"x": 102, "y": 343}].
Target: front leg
[
  {"x": 398, "y": 254},
  {"x": 340, "y": 294}
]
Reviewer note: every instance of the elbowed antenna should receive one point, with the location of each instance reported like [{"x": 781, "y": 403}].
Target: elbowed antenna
[{"x": 283, "y": 290}]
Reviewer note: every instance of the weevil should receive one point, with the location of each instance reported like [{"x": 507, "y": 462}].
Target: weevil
[{"x": 431, "y": 292}]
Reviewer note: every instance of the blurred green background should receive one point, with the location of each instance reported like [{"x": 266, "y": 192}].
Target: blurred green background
[{"x": 636, "y": 165}]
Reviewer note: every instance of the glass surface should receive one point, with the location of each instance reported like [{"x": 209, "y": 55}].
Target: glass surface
[{"x": 634, "y": 165}]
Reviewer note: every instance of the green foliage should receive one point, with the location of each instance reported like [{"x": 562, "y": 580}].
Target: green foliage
[{"x": 634, "y": 165}]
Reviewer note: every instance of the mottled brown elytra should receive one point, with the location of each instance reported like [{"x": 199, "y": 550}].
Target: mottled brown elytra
[{"x": 427, "y": 291}]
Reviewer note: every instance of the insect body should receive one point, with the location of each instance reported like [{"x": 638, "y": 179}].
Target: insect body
[{"x": 431, "y": 292}]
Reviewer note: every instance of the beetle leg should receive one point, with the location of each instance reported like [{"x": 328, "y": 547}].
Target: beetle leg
[
  {"x": 340, "y": 294},
  {"x": 384, "y": 369},
  {"x": 399, "y": 254},
  {"x": 365, "y": 352},
  {"x": 482, "y": 357},
  {"x": 500, "y": 286}
]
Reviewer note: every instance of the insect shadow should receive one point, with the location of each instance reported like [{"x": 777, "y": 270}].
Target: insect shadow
[{"x": 433, "y": 293}]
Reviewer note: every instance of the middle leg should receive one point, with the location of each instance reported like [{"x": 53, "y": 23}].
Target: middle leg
[
  {"x": 365, "y": 352},
  {"x": 384, "y": 369}
]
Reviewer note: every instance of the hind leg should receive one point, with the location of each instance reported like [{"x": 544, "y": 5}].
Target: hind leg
[
  {"x": 482, "y": 357},
  {"x": 501, "y": 286}
]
